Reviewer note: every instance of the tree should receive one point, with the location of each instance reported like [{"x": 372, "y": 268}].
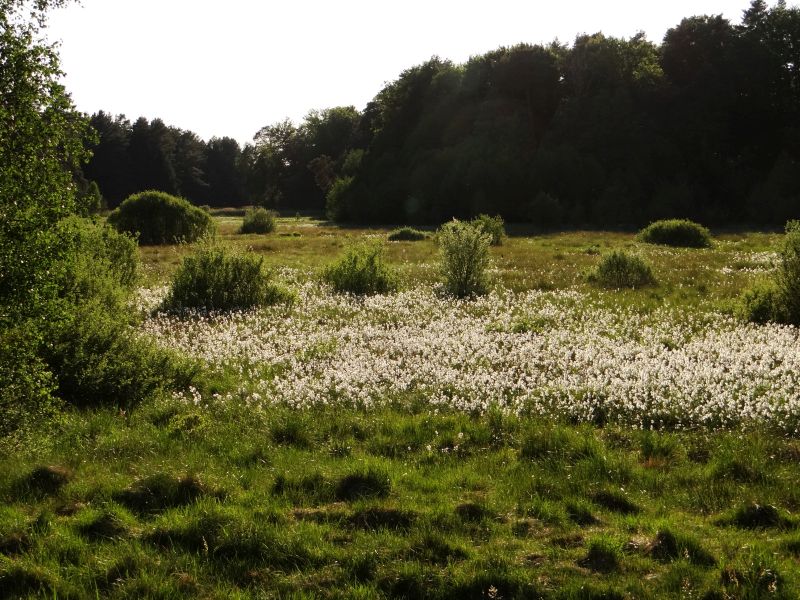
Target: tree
[{"x": 41, "y": 142}]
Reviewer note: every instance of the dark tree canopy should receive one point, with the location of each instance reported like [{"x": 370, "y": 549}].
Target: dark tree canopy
[{"x": 605, "y": 132}]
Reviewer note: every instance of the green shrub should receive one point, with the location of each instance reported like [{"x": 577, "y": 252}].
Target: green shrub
[
  {"x": 362, "y": 270},
  {"x": 26, "y": 385},
  {"x": 259, "y": 220},
  {"x": 407, "y": 234},
  {"x": 92, "y": 355},
  {"x": 491, "y": 226},
  {"x": 335, "y": 199},
  {"x": 158, "y": 218},
  {"x": 464, "y": 259},
  {"x": 788, "y": 277},
  {"x": 676, "y": 232},
  {"x": 778, "y": 300},
  {"x": 621, "y": 270},
  {"x": 762, "y": 303},
  {"x": 216, "y": 278}
]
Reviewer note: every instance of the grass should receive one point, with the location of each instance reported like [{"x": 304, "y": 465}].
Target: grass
[
  {"x": 230, "y": 499},
  {"x": 247, "y": 514}
]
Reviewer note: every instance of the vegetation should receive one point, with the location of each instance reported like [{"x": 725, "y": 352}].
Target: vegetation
[
  {"x": 778, "y": 299},
  {"x": 361, "y": 270},
  {"x": 604, "y": 132},
  {"x": 676, "y": 232},
  {"x": 549, "y": 438},
  {"x": 491, "y": 226},
  {"x": 464, "y": 258},
  {"x": 622, "y": 270},
  {"x": 196, "y": 500},
  {"x": 158, "y": 218},
  {"x": 407, "y": 234},
  {"x": 216, "y": 278},
  {"x": 259, "y": 220}
]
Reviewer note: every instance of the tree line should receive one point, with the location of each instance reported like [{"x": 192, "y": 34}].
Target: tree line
[{"x": 605, "y": 132}]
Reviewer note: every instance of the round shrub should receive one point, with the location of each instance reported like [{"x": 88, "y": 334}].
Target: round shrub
[
  {"x": 621, "y": 270},
  {"x": 464, "y": 258},
  {"x": 407, "y": 234},
  {"x": 216, "y": 278},
  {"x": 159, "y": 218},
  {"x": 259, "y": 220},
  {"x": 681, "y": 233},
  {"x": 362, "y": 270}
]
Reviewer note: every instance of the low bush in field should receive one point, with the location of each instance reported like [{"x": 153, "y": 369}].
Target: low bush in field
[
  {"x": 622, "y": 270},
  {"x": 464, "y": 259},
  {"x": 676, "y": 232},
  {"x": 159, "y": 218},
  {"x": 216, "y": 278},
  {"x": 407, "y": 234},
  {"x": 259, "y": 220},
  {"x": 491, "y": 226},
  {"x": 362, "y": 270},
  {"x": 778, "y": 300}
]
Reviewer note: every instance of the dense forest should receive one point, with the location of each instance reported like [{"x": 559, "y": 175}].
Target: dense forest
[{"x": 604, "y": 132}]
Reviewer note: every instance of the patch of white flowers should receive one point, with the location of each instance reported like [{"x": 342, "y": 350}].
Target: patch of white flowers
[{"x": 550, "y": 353}]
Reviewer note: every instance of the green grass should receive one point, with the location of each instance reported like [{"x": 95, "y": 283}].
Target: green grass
[
  {"x": 385, "y": 504},
  {"x": 172, "y": 500}
]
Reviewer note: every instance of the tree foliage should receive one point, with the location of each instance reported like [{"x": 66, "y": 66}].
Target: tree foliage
[{"x": 605, "y": 132}]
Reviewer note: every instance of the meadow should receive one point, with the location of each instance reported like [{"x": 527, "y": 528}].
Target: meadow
[{"x": 551, "y": 439}]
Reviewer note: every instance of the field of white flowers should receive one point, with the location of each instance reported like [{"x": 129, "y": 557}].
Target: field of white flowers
[{"x": 560, "y": 353}]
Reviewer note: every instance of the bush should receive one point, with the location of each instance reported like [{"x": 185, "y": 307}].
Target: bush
[
  {"x": 621, "y": 270},
  {"x": 407, "y": 234},
  {"x": 91, "y": 353},
  {"x": 788, "y": 278},
  {"x": 491, "y": 226},
  {"x": 259, "y": 220},
  {"x": 26, "y": 385},
  {"x": 763, "y": 302},
  {"x": 464, "y": 258},
  {"x": 778, "y": 300},
  {"x": 216, "y": 278},
  {"x": 158, "y": 218},
  {"x": 335, "y": 199},
  {"x": 361, "y": 270},
  {"x": 676, "y": 232}
]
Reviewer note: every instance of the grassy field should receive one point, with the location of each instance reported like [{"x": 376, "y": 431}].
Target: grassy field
[{"x": 551, "y": 440}]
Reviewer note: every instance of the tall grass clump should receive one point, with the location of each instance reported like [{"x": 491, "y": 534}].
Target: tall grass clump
[
  {"x": 407, "y": 234},
  {"x": 362, "y": 270},
  {"x": 159, "y": 218},
  {"x": 622, "y": 270},
  {"x": 681, "y": 233},
  {"x": 464, "y": 259},
  {"x": 778, "y": 299},
  {"x": 218, "y": 278},
  {"x": 259, "y": 220},
  {"x": 494, "y": 227}
]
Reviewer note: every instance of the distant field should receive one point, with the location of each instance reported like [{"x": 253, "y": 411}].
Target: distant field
[{"x": 550, "y": 440}]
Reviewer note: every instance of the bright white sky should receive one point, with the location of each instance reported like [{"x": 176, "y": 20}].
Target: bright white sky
[{"x": 230, "y": 67}]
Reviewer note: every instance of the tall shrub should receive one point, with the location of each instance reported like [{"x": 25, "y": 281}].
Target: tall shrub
[
  {"x": 159, "y": 218},
  {"x": 259, "y": 220},
  {"x": 778, "y": 299},
  {"x": 362, "y": 270},
  {"x": 464, "y": 258},
  {"x": 217, "y": 278},
  {"x": 494, "y": 227}
]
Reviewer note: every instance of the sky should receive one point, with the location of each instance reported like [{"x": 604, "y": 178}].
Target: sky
[{"x": 228, "y": 68}]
